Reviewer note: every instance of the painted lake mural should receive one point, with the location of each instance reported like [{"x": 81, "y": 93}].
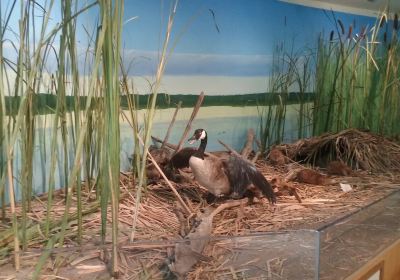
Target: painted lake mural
[{"x": 232, "y": 50}]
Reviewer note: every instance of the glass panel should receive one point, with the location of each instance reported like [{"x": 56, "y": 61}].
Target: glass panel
[
  {"x": 287, "y": 255},
  {"x": 349, "y": 243}
]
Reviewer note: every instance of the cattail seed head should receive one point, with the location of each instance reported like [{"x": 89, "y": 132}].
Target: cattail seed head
[
  {"x": 331, "y": 35},
  {"x": 350, "y": 32},
  {"x": 363, "y": 32},
  {"x": 382, "y": 21},
  {"x": 341, "y": 26},
  {"x": 396, "y": 22}
]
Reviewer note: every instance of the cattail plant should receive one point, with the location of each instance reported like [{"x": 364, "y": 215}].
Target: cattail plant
[
  {"x": 291, "y": 72},
  {"x": 357, "y": 82}
]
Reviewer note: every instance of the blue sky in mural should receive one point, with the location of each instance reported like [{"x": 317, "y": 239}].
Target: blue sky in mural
[{"x": 224, "y": 46}]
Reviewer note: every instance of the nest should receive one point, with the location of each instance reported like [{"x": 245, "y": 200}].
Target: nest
[
  {"x": 160, "y": 226},
  {"x": 359, "y": 149},
  {"x": 234, "y": 236}
]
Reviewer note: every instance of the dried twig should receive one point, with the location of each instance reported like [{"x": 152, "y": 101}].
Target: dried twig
[
  {"x": 229, "y": 148},
  {"x": 187, "y": 209},
  {"x": 248, "y": 147},
  {"x": 189, "y": 124},
  {"x": 178, "y": 106}
]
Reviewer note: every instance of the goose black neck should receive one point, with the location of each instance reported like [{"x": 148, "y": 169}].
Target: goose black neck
[{"x": 200, "y": 151}]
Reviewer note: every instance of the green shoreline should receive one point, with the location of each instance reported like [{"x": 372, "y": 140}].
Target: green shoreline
[{"x": 46, "y": 103}]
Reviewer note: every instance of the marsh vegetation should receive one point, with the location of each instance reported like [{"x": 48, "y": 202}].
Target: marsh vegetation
[{"x": 350, "y": 81}]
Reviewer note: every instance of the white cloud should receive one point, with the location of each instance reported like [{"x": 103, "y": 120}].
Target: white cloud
[{"x": 145, "y": 63}]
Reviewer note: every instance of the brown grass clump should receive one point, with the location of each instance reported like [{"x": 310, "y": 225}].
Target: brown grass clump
[
  {"x": 337, "y": 167},
  {"x": 359, "y": 149},
  {"x": 159, "y": 228},
  {"x": 276, "y": 157}
]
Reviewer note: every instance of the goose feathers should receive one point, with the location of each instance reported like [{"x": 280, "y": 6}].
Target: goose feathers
[
  {"x": 242, "y": 174},
  {"x": 211, "y": 174},
  {"x": 235, "y": 176}
]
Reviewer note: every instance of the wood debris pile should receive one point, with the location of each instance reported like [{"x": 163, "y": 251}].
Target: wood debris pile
[{"x": 359, "y": 149}]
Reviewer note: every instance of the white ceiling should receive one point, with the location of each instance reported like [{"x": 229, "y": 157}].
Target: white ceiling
[{"x": 361, "y": 7}]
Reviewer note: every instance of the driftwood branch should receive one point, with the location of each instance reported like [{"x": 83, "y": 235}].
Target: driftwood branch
[
  {"x": 178, "y": 106},
  {"x": 229, "y": 148},
  {"x": 168, "y": 145},
  {"x": 187, "y": 209},
  {"x": 248, "y": 147},
  {"x": 256, "y": 156},
  {"x": 188, "y": 253},
  {"x": 189, "y": 124},
  {"x": 227, "y": 205}
]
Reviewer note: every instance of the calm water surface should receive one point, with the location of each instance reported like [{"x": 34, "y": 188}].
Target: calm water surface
[{"x": 229, "y": 124}]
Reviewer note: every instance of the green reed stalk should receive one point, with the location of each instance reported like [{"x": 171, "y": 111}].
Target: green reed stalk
[
  {"x": 133, "y": 108},
  {"x": 91, "y": 144},
  {"x": 77, "y": 102},
  {"x": 71, "y": 47},
  {"x": 29, "y": 69},
  {"x": 42, "y": 151},
  {"x": 28, "y": 127},
  {"x": 150, "y": 115},
  {"x": 24, "y": 85},
  {"x": 23, "y": 58},
  {"x": 111, "y": 19},
  {"x": 61, "y": 90},
  {"x": 357, "y": 82},
  {"x": 290, "y": 70},
  {"x": 82, "y": 133},
  {"x": 303, "y": 80},
  {"x": 53, "y": 159},
  {"x": 2, "y": 152},
  {"x": 5, "y": 141}
]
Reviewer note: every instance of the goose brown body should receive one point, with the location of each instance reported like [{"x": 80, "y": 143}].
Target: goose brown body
[
  {"x": 234, "y": 176},
  {"x": 210, "y": 173}
]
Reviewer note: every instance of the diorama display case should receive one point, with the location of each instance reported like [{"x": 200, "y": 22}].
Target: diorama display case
[{"x": 361, "y": 245}]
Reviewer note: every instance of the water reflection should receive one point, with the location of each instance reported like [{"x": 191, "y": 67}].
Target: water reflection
[{"x": 229, "y": 124}]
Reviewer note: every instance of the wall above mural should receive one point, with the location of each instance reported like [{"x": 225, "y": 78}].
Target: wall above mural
[{"x": 372, "y": 8}]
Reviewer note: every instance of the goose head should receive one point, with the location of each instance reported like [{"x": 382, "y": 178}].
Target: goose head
[{"x": 199, "y": 134}]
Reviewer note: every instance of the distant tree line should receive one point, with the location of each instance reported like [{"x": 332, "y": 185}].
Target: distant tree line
[{"x": 46, "y": 103}]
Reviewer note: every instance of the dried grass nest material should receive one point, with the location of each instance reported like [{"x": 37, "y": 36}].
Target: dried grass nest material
[{"x": 360, "y": 149}]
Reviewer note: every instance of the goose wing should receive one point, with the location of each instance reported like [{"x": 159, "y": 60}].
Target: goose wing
[
  {"x": 181, "y": 158},
  {"x": 242, "y": 173}
]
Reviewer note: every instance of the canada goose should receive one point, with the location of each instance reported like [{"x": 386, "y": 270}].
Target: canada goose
[{"x": 234, "y": 176}]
